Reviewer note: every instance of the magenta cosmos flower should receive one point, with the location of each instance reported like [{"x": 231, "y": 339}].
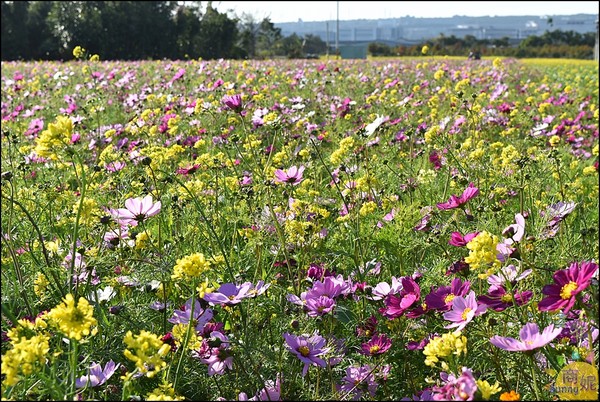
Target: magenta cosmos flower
[
  {"x": 567, "y": 283},
  {"x": 530, "y": 338},
  {"x": 454, "y": 202},
  {"x": 396, "y": 305},
  {"x": 307, "y": 349},
  {"x": 136, "y": 210},
  {"x": 292, "y": 176},
  {"x": 441, "y": 298},
  {"x": 233, "y": 102},
  {"x": 377, "y": 345},
  {"x": 464, "y": 309}
]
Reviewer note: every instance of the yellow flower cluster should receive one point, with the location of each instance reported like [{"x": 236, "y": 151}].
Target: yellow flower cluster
[
  {"x": 24, "y": 358},
  {"x": 452, "y": 343},
  {"x": 148, "y": 352},
  {"x": 164, "y": 392},
  {"x": 179, "y": 332},
  {"x": 346, "y": 146},
  {"x": 40, "y": 284},
  {"x": 191, "y": 266},
  {"x": 482, "y": 253},
  {"x": 56, "y": 136},
  {"x": 78, "y": 52},
  {"x": 75, "y": 321}
]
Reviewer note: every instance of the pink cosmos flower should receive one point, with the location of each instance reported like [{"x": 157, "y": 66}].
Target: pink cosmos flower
[
  {"x": 567, "y": 283},
  {"x": 455, "y": 202},
  {"x": 292, "y": 176},
  {"x": 515, "y": 231},
  {"x": 530, "y": 338},
  {"x": 464, "y": 309},
  {"x": 136, "y": 210}
]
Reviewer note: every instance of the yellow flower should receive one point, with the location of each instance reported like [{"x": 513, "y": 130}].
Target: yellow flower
[
  {"x": 488, "y": 390},
  {"x": 191, "y": 266},
  {"x": 589, "y": 170},
  {"x": 40, "y": 284},
  {"x": 164, "y": 392},
  {"x": 78, "y": 52},
  {"x": 482, "y": 252},
  {"x": 24, "y": 358},
  {"x": 148, "y": 352},
  {"x": 75, "y": 321},
  {"x": 57, "y": 135},
  {"x": 443, "y": 346},
  {"x": 425, "y": 49}
]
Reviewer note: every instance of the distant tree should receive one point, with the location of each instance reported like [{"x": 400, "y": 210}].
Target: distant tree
[
  {"x": 269, "y": 40},
  {"x": 313, "y": 44},
  {"x": 15, "y": 40},
  {"x": 379, "y": 49},
  {"x": 292, "y": 46},
  {"x": 218, "y": 34}
]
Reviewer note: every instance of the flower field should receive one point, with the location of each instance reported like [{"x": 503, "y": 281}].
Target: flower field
[{"x": 409, "y": 229}]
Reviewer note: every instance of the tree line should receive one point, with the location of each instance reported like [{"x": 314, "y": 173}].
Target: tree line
[
  {"x": 139, "y": 30},
  {"x": 551, "y": 44}
]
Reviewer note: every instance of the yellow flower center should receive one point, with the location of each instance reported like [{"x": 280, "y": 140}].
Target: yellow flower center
[
  {"x": 374, "y": 349},
  {"x": 304, "y": 350},
  {"x": 448, "y": 299},
  {"x": 506, "y": 298},
  {"x": 567, "y": 291},
  {"x": 465, "y": 312}
]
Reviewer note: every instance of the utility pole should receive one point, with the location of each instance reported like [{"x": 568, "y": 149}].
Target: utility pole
[{"x": 337, "y": 31}]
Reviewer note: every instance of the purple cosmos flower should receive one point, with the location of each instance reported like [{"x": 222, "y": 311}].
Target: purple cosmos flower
[
  {"x": 441, "y": 298},
  {"x": 136, "y": 210},
  {"x": 395, "y": 306},
  {"x": 567, "y": 283},
  {"x": 464, "y": 309},
  {"x": 200, "y": 318},
  {"x": 330, "y": 286},
  {"x": 96, "y": 375},
  {"x": 530, "y": 338},
  {"x": 454, "y": 202},
  {"x": 229, "y": 294},
  {"x": 358, "y": 381},
  {"x": 307, "y": 349},
  {"x": 498, "y": 299},
  {"x": 319, "y": 306},
  {"x": 458, "y": 240},
  {"x": 377, "y": 345},
  {"x": 233, "y": 102},
  {"x": 292, "y": 176}
]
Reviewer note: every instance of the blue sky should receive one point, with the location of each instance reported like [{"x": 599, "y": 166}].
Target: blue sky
[{"x": 291, "y": 11}]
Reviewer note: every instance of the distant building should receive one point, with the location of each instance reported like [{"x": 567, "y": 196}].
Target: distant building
[{"x": 411, "y": 30}]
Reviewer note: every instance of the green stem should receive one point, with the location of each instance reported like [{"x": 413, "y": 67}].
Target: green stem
[{"x": 536, "y": 390}]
